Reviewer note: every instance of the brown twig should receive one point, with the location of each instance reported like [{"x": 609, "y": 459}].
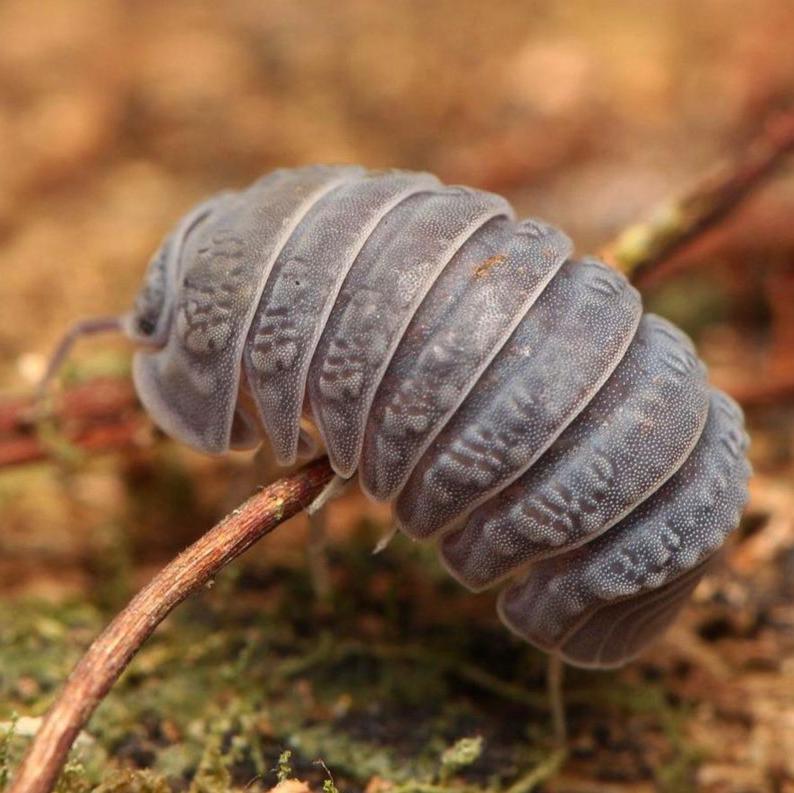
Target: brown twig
[
  {"x": 637, "y": 251},
  {"x": 101, "y": 399},
  {"x": 110, "y": 653},
  {"x": 643, "y": 247},
  {"x": 95, "y": 416}
]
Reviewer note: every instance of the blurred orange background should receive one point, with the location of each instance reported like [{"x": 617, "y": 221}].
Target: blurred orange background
[{"x": 116, "y": 116}]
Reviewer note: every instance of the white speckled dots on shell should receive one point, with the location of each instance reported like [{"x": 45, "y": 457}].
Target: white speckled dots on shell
[{"x": 511, "y": 401}]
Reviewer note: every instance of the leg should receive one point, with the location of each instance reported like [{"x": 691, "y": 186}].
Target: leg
[
  {"x": 318, "y": 558},
  {"x": 333, "y": 489},
  {"x": 385, "y": 540},
  {"x": 556, "y": 704}
]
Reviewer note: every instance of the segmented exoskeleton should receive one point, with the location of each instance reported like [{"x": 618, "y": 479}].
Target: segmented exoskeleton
[{"x": 511, "y": 401}]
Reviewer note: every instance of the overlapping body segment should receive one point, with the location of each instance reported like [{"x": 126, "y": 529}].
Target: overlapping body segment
[
  {"x": 564, "y": 348},
  {"x": 633, "y": 435},
  {"x": 511, "y": 401},
  {"x": 301, "y": 292},
  {"x": 191, "y": 385},
  {"x": 466, "y": 317},
  {"x": 639, "y": 571},
  {"x": 394, "y": 271}
]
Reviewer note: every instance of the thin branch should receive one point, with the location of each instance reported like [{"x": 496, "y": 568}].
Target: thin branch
[
  {"x": 100, "y": 399},
  {"x": 95, "y": 416},
  {"x": 110, "y": 653},
  {"x": 642, "y": 248}
]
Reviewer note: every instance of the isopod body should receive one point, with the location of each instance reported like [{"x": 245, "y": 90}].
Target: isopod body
[{"x": 513, "y": 403}]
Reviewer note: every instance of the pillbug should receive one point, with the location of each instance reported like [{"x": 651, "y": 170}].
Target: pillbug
[{"x": 512, "y": 402}]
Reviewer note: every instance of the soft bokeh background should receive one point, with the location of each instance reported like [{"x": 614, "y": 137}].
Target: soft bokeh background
[{"x": 115, "y": 117}]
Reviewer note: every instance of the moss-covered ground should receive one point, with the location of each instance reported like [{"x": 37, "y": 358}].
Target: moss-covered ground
[{"x": 399, "y": 679}]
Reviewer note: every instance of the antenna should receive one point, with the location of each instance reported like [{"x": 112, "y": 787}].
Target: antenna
[{"x": 85, "y": 327}]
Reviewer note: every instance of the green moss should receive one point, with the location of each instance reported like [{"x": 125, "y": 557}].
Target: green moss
[
  {"x": 129, "y": 781},
  {"x": 6, "y": 737},
  {"x": 283, "y": 768},
  {"x": 461, "y": 754},
  {"x": 213, "y": 774},
  {"x": 251, "y": 682},
  {"x": 74, "y": 778}
]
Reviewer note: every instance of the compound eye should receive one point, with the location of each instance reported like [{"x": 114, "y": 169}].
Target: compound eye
[
  {"x": 150, "y": 302},
  {"x": 145, "y": 326}
]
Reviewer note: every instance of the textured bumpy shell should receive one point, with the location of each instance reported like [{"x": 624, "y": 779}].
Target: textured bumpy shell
[{"x": 511, "y": 401}]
